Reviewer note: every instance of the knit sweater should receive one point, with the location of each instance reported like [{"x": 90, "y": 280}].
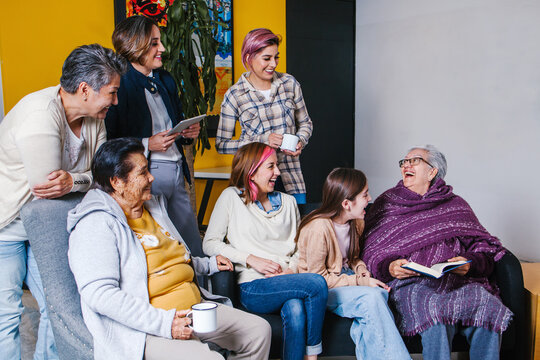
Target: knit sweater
[
  {"x": 237, "y": 230},
  {"x": 320, "y": 254},
  {"x": 32, "y": 137}
]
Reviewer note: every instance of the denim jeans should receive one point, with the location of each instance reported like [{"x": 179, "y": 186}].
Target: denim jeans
[
  {"x": 301, "y": 301},
  {"x": 373, "y": 330},
  {"x": 18, "y": 266},
  {"x": 437, "y": 340}
]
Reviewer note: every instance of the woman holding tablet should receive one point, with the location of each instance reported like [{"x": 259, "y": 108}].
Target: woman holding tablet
[
  {"x": 268, "y": 105},
  {"x": 148, "y": 107}
]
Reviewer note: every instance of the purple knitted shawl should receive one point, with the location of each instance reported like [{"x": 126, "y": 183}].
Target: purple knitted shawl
[{"x": 430, "y": 229}]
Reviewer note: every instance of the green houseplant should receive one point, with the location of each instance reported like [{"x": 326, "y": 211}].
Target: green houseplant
[
  {"x": 191, "y": 46},
  {"x": 190, "y": 42}
]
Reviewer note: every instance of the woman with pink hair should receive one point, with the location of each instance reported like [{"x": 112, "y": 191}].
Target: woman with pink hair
[
  {"x": 267, "y": 104},
  {"x": 259, "y": 225}
]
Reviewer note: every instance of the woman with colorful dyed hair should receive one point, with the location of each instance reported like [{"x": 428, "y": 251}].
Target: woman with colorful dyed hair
[
  {"x": 260, "y": 226},
  {"x": 267, "y": 104}
]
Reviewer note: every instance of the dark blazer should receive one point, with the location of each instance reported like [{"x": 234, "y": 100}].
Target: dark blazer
[{"x": 131, "y": 117}]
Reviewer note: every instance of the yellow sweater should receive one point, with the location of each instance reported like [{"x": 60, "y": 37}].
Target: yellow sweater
[{"x": 170, "y": 276}]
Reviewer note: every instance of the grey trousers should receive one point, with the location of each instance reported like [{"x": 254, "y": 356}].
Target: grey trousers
[
  {"x": 169, "y": 182},
  {"x": 247, "y": 336}
]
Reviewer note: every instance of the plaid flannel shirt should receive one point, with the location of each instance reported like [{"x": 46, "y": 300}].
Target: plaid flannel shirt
[{"x": 284, "y": 113}]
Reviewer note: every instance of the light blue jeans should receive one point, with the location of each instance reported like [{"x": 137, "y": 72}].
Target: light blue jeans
[
  {"x": 300, "y": 299},
  {"x": 437, "y": 340},
  {"x": 373, "y": 330},
  {"x": 18, "y": 265}
]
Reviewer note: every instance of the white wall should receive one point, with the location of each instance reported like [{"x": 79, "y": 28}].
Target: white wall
[{"x": 463, "y": 75}]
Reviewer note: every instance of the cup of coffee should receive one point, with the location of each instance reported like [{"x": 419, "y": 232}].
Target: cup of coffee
[
  {"x": 204, "y": 317},
  {"x": 289, "y": 142}
]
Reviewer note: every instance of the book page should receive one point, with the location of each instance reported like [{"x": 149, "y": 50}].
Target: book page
[
  {"x": 421, "y": 269},
  {"x": 446, "y": 266}
]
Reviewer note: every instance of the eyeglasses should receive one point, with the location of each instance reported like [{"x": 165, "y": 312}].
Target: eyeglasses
[{"x": 413, "y": 162}]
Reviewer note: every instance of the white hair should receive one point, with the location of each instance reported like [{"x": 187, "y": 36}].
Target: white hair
[{"x": 435, "y": 158}]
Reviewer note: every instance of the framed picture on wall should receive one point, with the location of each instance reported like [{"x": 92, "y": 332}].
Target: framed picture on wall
[{"x": 221, "y": 12}]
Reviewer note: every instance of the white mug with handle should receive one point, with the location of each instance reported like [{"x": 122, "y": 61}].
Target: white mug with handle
[
  {"x": 289, "y": 142},
  {"x": 204, "y": 317}
]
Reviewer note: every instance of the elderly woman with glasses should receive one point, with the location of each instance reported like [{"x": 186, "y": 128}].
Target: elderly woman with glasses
[{"x": 422, "y": 220}]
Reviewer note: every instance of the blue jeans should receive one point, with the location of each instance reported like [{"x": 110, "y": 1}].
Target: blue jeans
[
  {"x": 373, "y": 330},
  {"x": 437, "y": 342},
  {"x": 301, "y": 300},
  {"x": 18, "y": 266}
]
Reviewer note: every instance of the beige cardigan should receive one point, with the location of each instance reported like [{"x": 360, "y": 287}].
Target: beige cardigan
[
  {"x": 31, "y": 145},
  {"x": 320, "y": 254}
]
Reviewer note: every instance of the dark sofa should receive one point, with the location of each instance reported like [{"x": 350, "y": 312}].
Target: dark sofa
[
  {"x": 336, "y": 339},
  {"x": 45, "y": 223}
]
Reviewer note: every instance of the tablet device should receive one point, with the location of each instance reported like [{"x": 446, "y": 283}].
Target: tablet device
[{"x": 184, "y": 124}]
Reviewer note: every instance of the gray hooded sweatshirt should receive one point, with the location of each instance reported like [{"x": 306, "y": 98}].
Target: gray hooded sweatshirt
[{"x": 109, "y": 266}]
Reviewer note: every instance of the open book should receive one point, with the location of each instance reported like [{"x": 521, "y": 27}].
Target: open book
[{"x": 436, "y": 270}]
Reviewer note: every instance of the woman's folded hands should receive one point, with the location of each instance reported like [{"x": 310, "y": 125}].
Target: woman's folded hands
[{"x": 266, "y": 267}]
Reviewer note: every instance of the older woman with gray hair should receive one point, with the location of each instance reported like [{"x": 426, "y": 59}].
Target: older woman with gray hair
[
  {"x": 47, "y": 142},
  {"x": 421, "y": 220},
  {"x": 136, "y": 275}
]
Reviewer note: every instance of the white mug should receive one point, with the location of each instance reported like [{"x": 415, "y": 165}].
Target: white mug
[
  {"x": 289, "y": 142},
  {"x": 204, "y": 317}
]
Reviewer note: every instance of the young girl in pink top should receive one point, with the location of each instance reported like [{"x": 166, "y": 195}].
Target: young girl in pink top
[{"x": 329, "y": 245}]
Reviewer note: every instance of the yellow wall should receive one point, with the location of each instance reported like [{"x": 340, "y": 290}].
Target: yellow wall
[
  {"x": 35, "y": 40},
  {"x": 37, "y": 36},
  {"x": 247, "y": 15}
]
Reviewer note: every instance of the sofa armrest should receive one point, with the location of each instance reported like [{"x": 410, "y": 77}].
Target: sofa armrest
[
  {"x": 509, "y": 278},
  {"x": 224, "y": 284},
  {"x": 45, "y": 221}
]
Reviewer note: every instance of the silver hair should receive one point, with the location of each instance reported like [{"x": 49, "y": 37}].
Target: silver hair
[
  {"x": 92, "y": 64},
  {"x": 435, "y": 158}
]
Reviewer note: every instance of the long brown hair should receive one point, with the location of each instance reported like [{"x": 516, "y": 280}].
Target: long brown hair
[
  {"x": 340, "y": 184},
  {"x": 245, "y": 163}
]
